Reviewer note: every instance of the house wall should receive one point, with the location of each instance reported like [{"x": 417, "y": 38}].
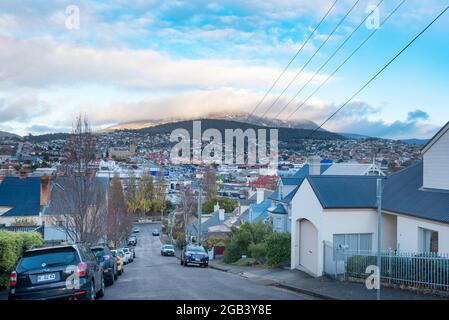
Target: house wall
[
  {"x": 8, "y": 221},
  {"x": 305, "y": 205},
  {"x": 436, "y": 164},
  {"x": 407, "y": 230}
]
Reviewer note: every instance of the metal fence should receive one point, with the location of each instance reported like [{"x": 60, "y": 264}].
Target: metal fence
[{"x": 417, "y": 270}]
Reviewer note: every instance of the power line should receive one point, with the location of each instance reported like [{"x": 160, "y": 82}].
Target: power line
[
  {"x": 327, "y": 61},
  {"x": 311, "y": 58},
  {"x": 291, "y": 61},
  {"x": 346, "y": 60},
  {"x": 381, "y": 70}
]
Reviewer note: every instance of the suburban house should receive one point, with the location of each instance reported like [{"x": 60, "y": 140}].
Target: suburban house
[
  {"x": 257, "y": 209},
  {"x": 342, "y": 210},
  {"x": 22, "y": 199},
  {"x": 212, "y": 224},
  {"x": 281, "y": 208}
]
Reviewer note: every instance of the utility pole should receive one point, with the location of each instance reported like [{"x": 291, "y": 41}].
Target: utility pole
[
  {"x": 199, "y": 213},
  {"x": 379, "y": 234}
]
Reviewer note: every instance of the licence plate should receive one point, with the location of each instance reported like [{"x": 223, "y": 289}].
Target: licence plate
[
  {"x": 46, "y": 277},
  {"x": 197, "y": 259}
]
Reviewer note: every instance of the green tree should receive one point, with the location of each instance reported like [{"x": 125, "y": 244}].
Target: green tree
[
  {"x": 131, "y": 195},
  {"x": 227, "y": 204},
  {"x": 146, "y": 193}
]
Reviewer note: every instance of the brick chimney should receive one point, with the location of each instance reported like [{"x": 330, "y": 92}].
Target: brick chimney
[{"x": 45, "y": 190}]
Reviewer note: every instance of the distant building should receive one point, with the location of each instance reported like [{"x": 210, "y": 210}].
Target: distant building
[{"x": 122, "y": 152}]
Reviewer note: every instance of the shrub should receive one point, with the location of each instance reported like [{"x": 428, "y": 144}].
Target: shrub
[
  {"x": 241, "y": 239},
  {"x": 278, "y": 248},
  {"x": 12, "y": 247},
  {"x": 258, "y": 251}
]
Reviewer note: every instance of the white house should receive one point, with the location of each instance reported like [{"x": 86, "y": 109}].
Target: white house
[{"x": 342, "y": 210}]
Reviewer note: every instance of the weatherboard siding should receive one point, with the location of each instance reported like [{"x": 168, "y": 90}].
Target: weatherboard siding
[{"x": 436, "y": 164}]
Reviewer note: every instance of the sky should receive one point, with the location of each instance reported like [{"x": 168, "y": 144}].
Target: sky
[{"x": 128, "y": 60}]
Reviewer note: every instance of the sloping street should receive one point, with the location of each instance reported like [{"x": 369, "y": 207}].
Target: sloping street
[{"x": 152, "y": 276}]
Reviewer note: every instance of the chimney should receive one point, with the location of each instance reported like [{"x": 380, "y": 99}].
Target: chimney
[
  {"x": 315, "y": 166},
  {"x": 216, "y": 207},
  {"x": 259, "y": 195},
  {"x": 221, "y": 214},
  {"x": 45, "y": 190}
]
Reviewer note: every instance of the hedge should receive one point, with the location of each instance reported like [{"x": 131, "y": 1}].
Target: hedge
[
  {"x": 278, "y": 248},
  {"x": 12, "y": 247}
]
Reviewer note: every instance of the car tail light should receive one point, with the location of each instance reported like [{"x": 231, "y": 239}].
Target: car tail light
[
  {"x": 13, "y": 279},
  {"x": 117, "y": 259},
  {"x": 82, "y": 269},
  {"x": 77, "y": 293}
]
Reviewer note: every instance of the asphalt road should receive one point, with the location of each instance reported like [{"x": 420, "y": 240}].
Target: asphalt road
[{"x": 152, "y": 277}]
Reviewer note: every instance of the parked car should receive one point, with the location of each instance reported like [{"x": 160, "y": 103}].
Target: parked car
[
  {"x": 129, "y": 254},
  {"x": 168, "y": 250},
  {"x": 194, "y": 254},
  {"x": 132, "y": 241},
  {"x": 136, "y": 230},
  {"x": 42, "y": 273},
  {"x": 107, "y": 262},
  {"x": 119, "y": 260},
  {"x": 133, "y": 252},
  {"x": 156, "y": 233},
  {"x": 124, "y": 256}
]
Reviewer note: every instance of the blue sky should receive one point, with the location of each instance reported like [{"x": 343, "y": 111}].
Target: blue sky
[{"x": 134, "y": 60}]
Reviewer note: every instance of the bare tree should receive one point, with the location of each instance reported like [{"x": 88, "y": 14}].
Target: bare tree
[
  {"x": 119, "y": 221},
  {"x": 80, "y": 203},
  {"x": 187, "y": 210}
]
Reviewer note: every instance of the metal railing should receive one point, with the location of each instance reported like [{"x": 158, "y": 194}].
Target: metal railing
[{"x": 418, "y": 270}]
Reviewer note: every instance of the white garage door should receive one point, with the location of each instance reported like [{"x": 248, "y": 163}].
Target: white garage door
[{"x": 308, "y": 246}]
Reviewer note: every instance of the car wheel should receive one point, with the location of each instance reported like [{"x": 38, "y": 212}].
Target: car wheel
[
  {"x": 182, "y": 263},
  {"x": 115, "y": 274},
  {"x": 100, "y": 293}
]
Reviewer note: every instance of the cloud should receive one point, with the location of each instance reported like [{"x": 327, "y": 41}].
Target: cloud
[
  {"x": 43, "y": 63},
  {"x": 417, "y": 115}
]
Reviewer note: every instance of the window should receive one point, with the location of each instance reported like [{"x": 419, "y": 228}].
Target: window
[
  {"x": 354, "y": 241},
  {"x": 428, "y": 240}
]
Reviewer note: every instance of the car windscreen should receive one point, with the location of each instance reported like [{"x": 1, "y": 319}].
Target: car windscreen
[
  {"x": 168, "y": 247},
  {"x": 48, "y": 258},
  {"x": 196, "y": 249}
]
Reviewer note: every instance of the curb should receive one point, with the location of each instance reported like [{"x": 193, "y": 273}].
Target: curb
[{"x": 283, "y": 285}]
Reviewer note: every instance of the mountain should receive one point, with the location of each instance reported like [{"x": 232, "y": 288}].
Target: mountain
[
  {"x": 239, "y": 117},
  {"x": 4, "y": 134},
  {"x": 291, "y": 136}
]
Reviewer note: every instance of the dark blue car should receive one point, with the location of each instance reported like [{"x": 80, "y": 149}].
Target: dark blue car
[{"x": 194, "y": 254}]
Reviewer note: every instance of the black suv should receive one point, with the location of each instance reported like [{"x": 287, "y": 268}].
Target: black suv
[
  {"x": 62, "y": 272},
  {"x": 107, "y": 262}
]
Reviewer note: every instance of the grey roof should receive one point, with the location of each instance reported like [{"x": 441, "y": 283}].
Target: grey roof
[
  {"x": 214, "y": 220},
  {"x": 345, "y": 191},
  {"x": 403, "y": 193}
]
